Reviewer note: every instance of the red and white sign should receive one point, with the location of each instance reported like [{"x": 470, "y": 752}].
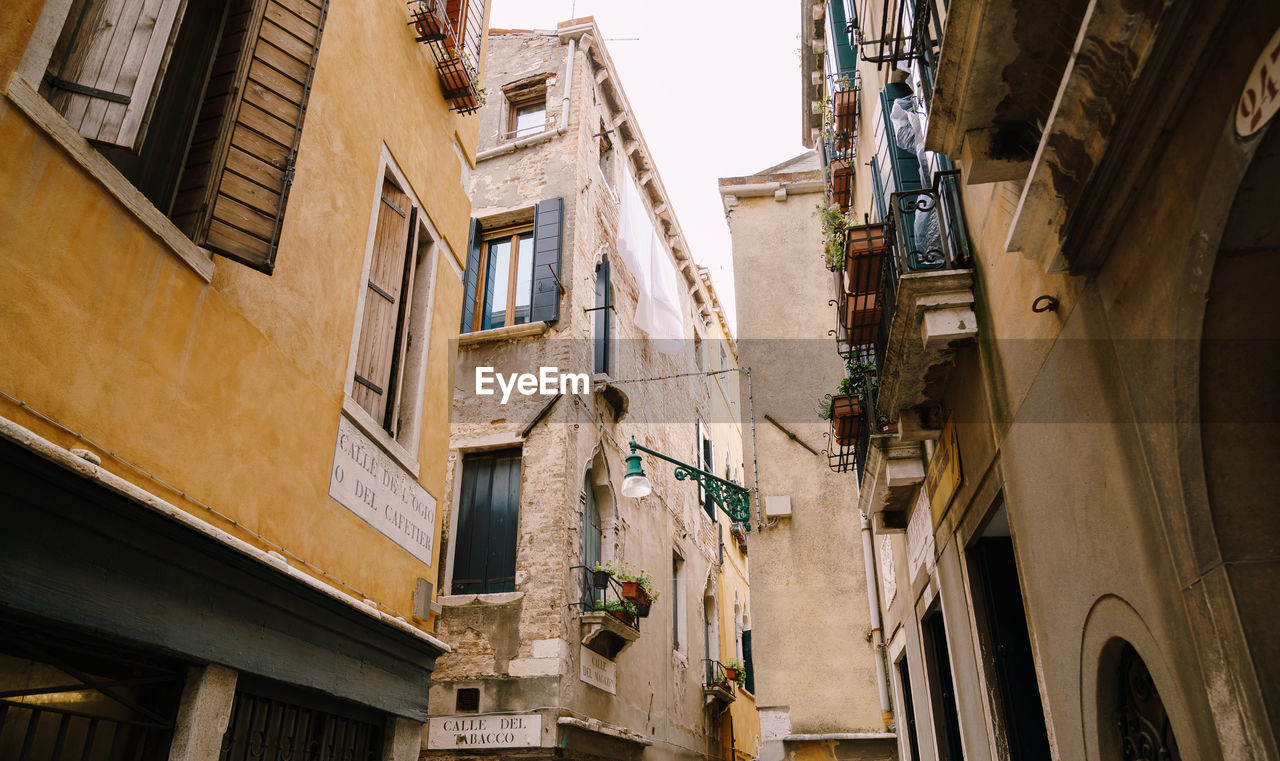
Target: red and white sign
[{"x": 1261, "y": 97}]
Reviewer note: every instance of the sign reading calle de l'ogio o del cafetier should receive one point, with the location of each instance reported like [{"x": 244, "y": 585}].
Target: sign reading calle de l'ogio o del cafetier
[
  {"x": 492, "y": 731},
  {"x": 373, "y": 486}
]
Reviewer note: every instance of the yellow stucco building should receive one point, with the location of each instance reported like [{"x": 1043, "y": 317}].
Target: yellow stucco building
[{"x": 230, "y": 278}]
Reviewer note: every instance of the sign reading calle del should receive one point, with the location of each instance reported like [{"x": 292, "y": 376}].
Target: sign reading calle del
[
  {"x": 492, "y": 731},
  {"x": 598, "y": 671}
]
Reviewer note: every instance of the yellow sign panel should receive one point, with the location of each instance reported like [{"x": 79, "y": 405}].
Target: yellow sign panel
[{"x": 943, "y": 479}]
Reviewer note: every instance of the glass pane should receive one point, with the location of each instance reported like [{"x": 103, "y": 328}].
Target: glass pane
[
  {"x": 498, "y": 275},
  {"x": 530, "y": 119},
  {"x": 524, "y": 280}
]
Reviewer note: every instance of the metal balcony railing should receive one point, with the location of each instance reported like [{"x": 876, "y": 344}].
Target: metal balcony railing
[
  {"x": 599, "y": 591},
  {"x": 926, "y": 231},
  {"x": 929, "y": 233},
  {"x": 903, "y": 31},
  {"x": 715, "y": 676},
  {"x": 453, "y": 30},
  {"x": 840, "y": 137}
]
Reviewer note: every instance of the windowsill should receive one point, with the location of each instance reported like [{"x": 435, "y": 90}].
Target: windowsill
[
  {"x": 369, "y": 427},
  {"x": 508, "y": 145},
  {"x": 49, "y": 121},
  {"x": 495, "y": 598},
  {"x": 503, "y": 334}
]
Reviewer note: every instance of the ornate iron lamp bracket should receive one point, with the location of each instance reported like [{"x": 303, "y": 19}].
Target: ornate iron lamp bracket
[{"x": 733, "y": 499}]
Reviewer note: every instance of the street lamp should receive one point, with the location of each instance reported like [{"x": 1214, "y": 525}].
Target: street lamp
[{"x": 733, "y": 499}]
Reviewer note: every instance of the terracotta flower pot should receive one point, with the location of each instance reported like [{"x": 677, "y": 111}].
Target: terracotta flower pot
[
  {"x": 846, "y": 411},
  {"x": 634, "y": 591},
  {"x": 731, "y": 674}
]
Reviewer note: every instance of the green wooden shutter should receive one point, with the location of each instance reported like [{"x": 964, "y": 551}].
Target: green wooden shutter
[
  {"x": 472, "y": 278},
  {"x": 846, "y": 59},
  {"x": 488, "y": 517},
  {"x": 904, "y": 164},
  {"x": 548, "y": 229},
  {"x": 750, "y": 686},
  {"x": 236, "y": 183},
  {"x": 604, "y": 323}
]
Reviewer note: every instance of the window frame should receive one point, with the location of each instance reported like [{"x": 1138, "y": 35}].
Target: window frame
[
  {"x": 522, "y": 99},
  {"x": 514, "y": 234},
  {"x": 414, "y": 352},
  {"x": 458, "y": 523}
]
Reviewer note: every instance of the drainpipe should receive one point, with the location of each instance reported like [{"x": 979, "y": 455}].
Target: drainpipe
[
  {"x": 877, "y": 632},
  {"x": 568, "y": 88}
]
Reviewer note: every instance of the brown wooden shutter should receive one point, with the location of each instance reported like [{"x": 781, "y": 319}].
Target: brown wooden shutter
[
  {"x": 382, "y": 332},
  {"x": 107, "y": 66},
  {"x": 238, "y": 172}
]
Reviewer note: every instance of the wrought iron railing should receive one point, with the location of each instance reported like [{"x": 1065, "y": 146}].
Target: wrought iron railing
[
  {"x": 599, "y": 591},
  {"x": 840, "y": 130},
  {"x": 453, "y": 31},
  {"x": 906, "y": 31},
  {"x": 715, "y": 676}
]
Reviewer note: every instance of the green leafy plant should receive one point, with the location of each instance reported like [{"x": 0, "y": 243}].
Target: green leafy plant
[
  {"x": 739, "y": 670},
  {"x": 615, "y": 606},
  {"x": 624, "y": 573},
  {"x": 835, "y": 226},
  {"x": 860, "y": 379}
]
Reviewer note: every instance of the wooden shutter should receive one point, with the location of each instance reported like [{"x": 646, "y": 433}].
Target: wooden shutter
[
  {"x": 547, "y": 240},
  {"x": 382, "y": 330},
  {"x": 472, "y": 278},
  {"x": 108, "y": 64},
  {"x": 747, "y": 663},
  {"x": 240, "y": 167},
  {"x": 604, "y": 323},
  {"x": 904, "y": 164},
  {"x": 485, "y": 556}
]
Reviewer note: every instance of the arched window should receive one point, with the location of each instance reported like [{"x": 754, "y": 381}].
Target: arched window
[
  {"x": 592, "y": 527},
  {"x": 1145, "y": 729}
]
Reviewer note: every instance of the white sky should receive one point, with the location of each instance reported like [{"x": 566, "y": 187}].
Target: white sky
[{"x": 714, "y": 87}]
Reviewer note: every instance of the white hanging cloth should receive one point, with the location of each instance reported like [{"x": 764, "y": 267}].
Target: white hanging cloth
[{"x": 644, "y": 252}]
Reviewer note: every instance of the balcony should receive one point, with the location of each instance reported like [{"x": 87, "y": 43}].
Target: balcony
[
  {"x": 451, "y": 40},
  {"x": 840, "y": 137},
  {"x": 904, "y": 304},
  {"x": 903, "y": 31},
  {"x": 609, "y": 621},
  {"x": 718, "y": 687}
]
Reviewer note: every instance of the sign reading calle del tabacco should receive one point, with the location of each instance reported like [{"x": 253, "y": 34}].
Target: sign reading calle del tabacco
[
  {"x": 492, "y": 731},
  {"x": 370, "y": 484}
]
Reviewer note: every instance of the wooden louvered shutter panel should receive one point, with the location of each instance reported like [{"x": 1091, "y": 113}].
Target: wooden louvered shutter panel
[
  {"x": 548, "y": 226},
  {"x": 472, "y": 280},
  {"x": 382, "y": 328},
  {"x": 108, "y": 64},
  {"x": 250, "y": 165},
  {"x": 603, "y": 319}
]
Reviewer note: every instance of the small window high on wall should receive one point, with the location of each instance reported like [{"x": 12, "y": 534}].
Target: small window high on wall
[{"x": 513, "y": 273}]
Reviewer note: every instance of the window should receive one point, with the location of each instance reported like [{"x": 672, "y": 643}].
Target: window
[
  {"x": 603, "y": 326},
  {"x": 706, "y": 461},
  {"x": 513, "y": 274},
  {"x": 677, "y": 603},
  {"x": 484, "y": 560},
  {"x": 205, "y": 126},
  {"x": 507, "y": 269},
  {"x": 592, "y": 526},
  {"x": 527, "y": 115},
  {"x": 606, "y": 156},
  {"x": 391, "y": 337}
]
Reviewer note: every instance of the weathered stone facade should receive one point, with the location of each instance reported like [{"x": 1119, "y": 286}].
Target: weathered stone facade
[{"x": 520, "y": 649}]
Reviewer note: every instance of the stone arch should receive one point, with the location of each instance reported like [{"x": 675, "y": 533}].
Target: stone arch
[
  {"x": 1223, "y": 532},
  {"x": 1111, "y": 625},
  {"x": 596, "y": 488}
]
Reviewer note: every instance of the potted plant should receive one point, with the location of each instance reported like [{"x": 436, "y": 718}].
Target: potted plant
[
  {"x": 600, "y": 575},
  {"x": 619, "y": 609},
  {"x": 845, "y": 408},
  {"x": 426, "y": 21},
  {"x": 637, "y": 588},
  {"x": 834, "y": 224},
  {"x": 734, "y": 671}
]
